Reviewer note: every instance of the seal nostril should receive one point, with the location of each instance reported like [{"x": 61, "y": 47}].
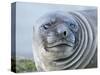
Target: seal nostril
[{"x": 65, "y": 33}]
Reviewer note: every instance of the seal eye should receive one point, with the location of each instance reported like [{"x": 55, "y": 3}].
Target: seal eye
[
  {"x": 46, "y": 26},
  {"x": 72, "y": 25}
]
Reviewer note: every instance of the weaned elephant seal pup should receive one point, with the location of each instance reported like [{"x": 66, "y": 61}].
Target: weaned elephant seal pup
[{"x": 65, "y": 40}]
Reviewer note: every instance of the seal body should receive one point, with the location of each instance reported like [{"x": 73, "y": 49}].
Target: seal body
[{"x": 65, "y": 40}]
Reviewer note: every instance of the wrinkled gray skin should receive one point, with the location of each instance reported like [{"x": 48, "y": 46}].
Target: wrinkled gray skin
[{"x": 56, "y": 38}]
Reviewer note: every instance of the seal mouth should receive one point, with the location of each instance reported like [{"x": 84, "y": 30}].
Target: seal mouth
[{"x": 60, "y": 44}]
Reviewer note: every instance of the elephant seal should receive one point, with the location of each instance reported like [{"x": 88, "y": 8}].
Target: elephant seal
[{"x": 65, "y": 40}]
